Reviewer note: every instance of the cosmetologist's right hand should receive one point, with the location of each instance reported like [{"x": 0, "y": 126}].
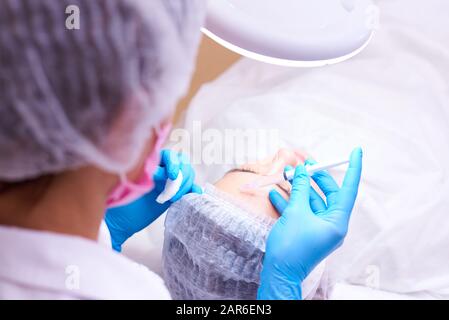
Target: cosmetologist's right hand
[{"x": 308, "y": 230}]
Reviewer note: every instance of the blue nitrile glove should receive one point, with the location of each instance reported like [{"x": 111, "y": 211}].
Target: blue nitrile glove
[
  {"x": 125, "y": 221},
  {"x": 308, "y": 230}
]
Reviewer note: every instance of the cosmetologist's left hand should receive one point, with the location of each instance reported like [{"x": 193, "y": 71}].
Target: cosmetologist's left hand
[{"x": 125, "y": 221}]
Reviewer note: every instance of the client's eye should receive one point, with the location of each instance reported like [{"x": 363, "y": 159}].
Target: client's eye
[
  {"x": 281, "y": 186},
  {"x": 244, "y": 169}
]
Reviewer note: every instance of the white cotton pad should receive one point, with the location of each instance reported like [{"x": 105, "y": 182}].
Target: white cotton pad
[{"x": 171, "y": 189}]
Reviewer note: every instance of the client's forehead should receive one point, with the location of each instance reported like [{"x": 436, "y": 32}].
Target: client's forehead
[{"x": 258, "y": 201}]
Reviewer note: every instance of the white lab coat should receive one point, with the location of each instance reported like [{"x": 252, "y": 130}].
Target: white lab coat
[{"x": 44, "y": 265}]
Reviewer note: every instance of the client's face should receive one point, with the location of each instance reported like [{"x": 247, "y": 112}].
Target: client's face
[
  {"x": 258, "y": 201},
  {"x": 214, "y": 242}
]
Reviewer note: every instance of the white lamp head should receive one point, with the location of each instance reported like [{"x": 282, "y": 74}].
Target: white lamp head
[{"x": 304, "y": 33}]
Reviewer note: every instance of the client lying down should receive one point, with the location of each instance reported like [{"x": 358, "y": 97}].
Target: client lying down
[{"x": 214, "y": 242}]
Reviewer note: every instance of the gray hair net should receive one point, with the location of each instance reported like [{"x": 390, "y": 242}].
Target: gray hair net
[
  {"x": 69, "y": 98},
  {"x": 214, "y": 247}
]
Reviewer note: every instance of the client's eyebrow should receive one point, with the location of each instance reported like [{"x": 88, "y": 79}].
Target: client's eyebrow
[{"x": 253, "y": 171}]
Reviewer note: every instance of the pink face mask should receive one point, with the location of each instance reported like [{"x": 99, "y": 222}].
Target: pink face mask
[{"x": 127, "y": 192}]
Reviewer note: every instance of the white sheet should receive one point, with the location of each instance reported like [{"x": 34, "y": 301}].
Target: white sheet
[{"x": 393, "y": 100}]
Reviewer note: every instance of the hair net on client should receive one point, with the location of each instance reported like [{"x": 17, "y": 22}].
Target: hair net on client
[
  {"x": 214, "y": 248},
  {"x": 69, "y": 98}
]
